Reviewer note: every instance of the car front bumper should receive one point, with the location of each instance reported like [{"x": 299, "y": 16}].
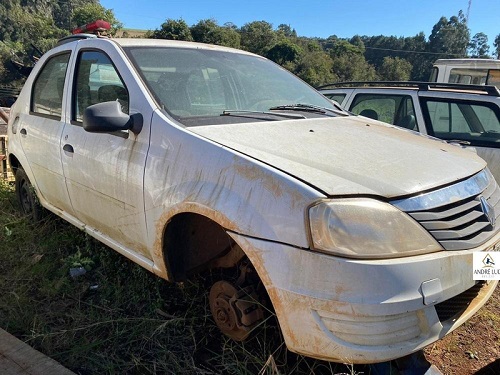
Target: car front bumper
[{"x": 359, "y": 311}]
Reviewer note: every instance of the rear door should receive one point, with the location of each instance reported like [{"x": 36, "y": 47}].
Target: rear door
[
  {"x": 40, "y": 128},
  {"x": 473, "y": 124},
  {"x": 105, "y": 171}
]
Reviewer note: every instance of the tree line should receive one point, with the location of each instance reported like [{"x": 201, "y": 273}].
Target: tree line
[
  {"x": 31, "y": 27},
  {"x": 315, "y": 60},
  {"x": 334, "y": 59}
]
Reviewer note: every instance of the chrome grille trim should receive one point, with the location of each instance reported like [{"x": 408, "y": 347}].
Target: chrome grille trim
[
  {"x": 457, "y": 222},
  {"x": 437, "y": 198}
]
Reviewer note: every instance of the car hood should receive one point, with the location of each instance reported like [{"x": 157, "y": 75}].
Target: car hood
[{"x": 349, "y": 155}]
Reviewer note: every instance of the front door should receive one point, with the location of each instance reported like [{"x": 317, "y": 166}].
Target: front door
[{"x": 105, "y": 171}]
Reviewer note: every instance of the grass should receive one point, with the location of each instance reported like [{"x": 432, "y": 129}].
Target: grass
[{"x": 118, "y": 318}]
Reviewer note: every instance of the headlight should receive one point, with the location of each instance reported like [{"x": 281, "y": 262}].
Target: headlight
[{"x": 367, "y": 228}]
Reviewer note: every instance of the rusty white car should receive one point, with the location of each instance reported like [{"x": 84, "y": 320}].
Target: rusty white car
[{"x": 185, "y": 157}]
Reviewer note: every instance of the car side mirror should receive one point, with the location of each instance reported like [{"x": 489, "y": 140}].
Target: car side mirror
[{"x": 108, "y": 117}]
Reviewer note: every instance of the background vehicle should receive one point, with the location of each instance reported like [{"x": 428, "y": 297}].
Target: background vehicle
[
  {"x": 187, "y": 157},
  {"x": 463, "y": 114},
  {"x": 466, "y": 71}
]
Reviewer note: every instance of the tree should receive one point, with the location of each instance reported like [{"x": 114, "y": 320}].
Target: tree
[
  {"x": 343, "y": 47},
  {"x": 208, "y": 31},
  {"x": 92, "y": 12},
  {"x": 497, "y": 46},
  {"x": 315, "y": 67},
  {"x": 395, "y": 69},
  {"x": 349, "y": 63},
  {"x": 8, "y": 75},
  {"x": 284, "y": 52},
  {"x": 353, "y": 67},
  {"x": 62, "y": 11},
  {"x": 478, "y": 46},
  {"x": 450, "y": 38},
  {"x": 173, "y": 30},
  {"x": 286, "y": 31},
  {"x": 358, "y": 42},
  {"x": 258, "y": 37}
]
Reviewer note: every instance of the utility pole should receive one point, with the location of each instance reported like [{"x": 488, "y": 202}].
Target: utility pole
[
  {"x": 467, "y": 14},
  {"x": 70, "y": 13}
]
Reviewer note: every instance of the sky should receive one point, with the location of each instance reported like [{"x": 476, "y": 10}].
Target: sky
[{"x": 315, "y": 18}]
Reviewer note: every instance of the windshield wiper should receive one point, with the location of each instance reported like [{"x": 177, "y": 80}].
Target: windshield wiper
[
  {"x": 307, "y": 108},
  {"x": 247, "y": 113}
]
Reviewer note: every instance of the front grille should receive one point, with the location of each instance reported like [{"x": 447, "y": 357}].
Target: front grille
[
  {"x": 449, "y": 308},
  {"x": 459, "y": 221}
]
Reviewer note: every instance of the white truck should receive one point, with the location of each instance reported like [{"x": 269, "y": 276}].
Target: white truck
[{"x": 467, "y": 71}]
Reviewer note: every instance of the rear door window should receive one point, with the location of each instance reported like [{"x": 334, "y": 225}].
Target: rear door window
[
  {"x": 393, "y": 109},
  {"x": 47, "y": 94}
]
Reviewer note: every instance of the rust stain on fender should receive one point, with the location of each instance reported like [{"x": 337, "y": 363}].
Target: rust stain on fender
[
  {"x": 269, "y": 182},
  {"x": 253, "y": 172}
]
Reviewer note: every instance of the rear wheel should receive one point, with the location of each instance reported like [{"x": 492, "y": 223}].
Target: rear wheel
[{"x": 26, "y": 196}]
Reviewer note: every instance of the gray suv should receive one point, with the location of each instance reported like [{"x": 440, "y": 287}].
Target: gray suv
[{"x": 468, "y": 115}]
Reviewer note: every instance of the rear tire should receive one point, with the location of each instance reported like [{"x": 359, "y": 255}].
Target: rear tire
[{"x": 26, "y": 196}]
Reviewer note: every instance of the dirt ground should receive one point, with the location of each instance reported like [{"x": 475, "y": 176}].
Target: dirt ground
[{"x": 473, "y": 348}]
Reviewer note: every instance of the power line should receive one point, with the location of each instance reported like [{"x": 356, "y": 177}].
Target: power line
[{"x": 418, "y": 52}]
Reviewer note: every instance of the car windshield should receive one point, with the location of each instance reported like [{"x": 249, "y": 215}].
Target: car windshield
[{"x": 200, "y": 86}]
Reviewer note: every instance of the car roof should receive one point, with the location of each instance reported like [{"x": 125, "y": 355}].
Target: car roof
[{"x": 140, "y": 42}]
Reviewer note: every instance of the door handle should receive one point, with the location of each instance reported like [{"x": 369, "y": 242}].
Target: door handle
[
  {"x": 68, "y": 148},
  {"x": 23, "y": 131}
]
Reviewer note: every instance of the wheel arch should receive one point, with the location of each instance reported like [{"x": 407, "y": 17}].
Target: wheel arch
[
  {"x": 194, "y": 242},
  {"x": 14, "y": 163}
]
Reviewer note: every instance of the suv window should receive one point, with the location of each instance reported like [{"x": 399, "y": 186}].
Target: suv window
[
  {"x": 337, "y": 97},
  {"x": 393, "y": 109},
  {"x": 97, "y": 81},
  {"x": 49, "y": 87},
  {"x": 477, "y": 123}
]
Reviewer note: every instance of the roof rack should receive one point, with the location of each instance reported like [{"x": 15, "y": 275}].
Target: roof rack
[
  {"x": 72, "y": 38},
  {"x": 423, "y": 86}
]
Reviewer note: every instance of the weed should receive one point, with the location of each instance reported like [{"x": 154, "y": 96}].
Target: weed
[{"x": 118, "y": 317}]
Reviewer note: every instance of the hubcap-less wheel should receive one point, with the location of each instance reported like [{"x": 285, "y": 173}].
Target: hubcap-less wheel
[
  {"x": 224, "y": 314},
  {"x": 26, "y": 196},
  {"x": 235, "y": 312}
]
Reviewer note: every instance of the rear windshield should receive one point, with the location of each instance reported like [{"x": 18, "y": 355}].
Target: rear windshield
[{"x": 196, "y": 86}]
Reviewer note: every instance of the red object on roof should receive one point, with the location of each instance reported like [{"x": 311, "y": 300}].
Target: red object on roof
[{"x": 96, "y": 26}]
